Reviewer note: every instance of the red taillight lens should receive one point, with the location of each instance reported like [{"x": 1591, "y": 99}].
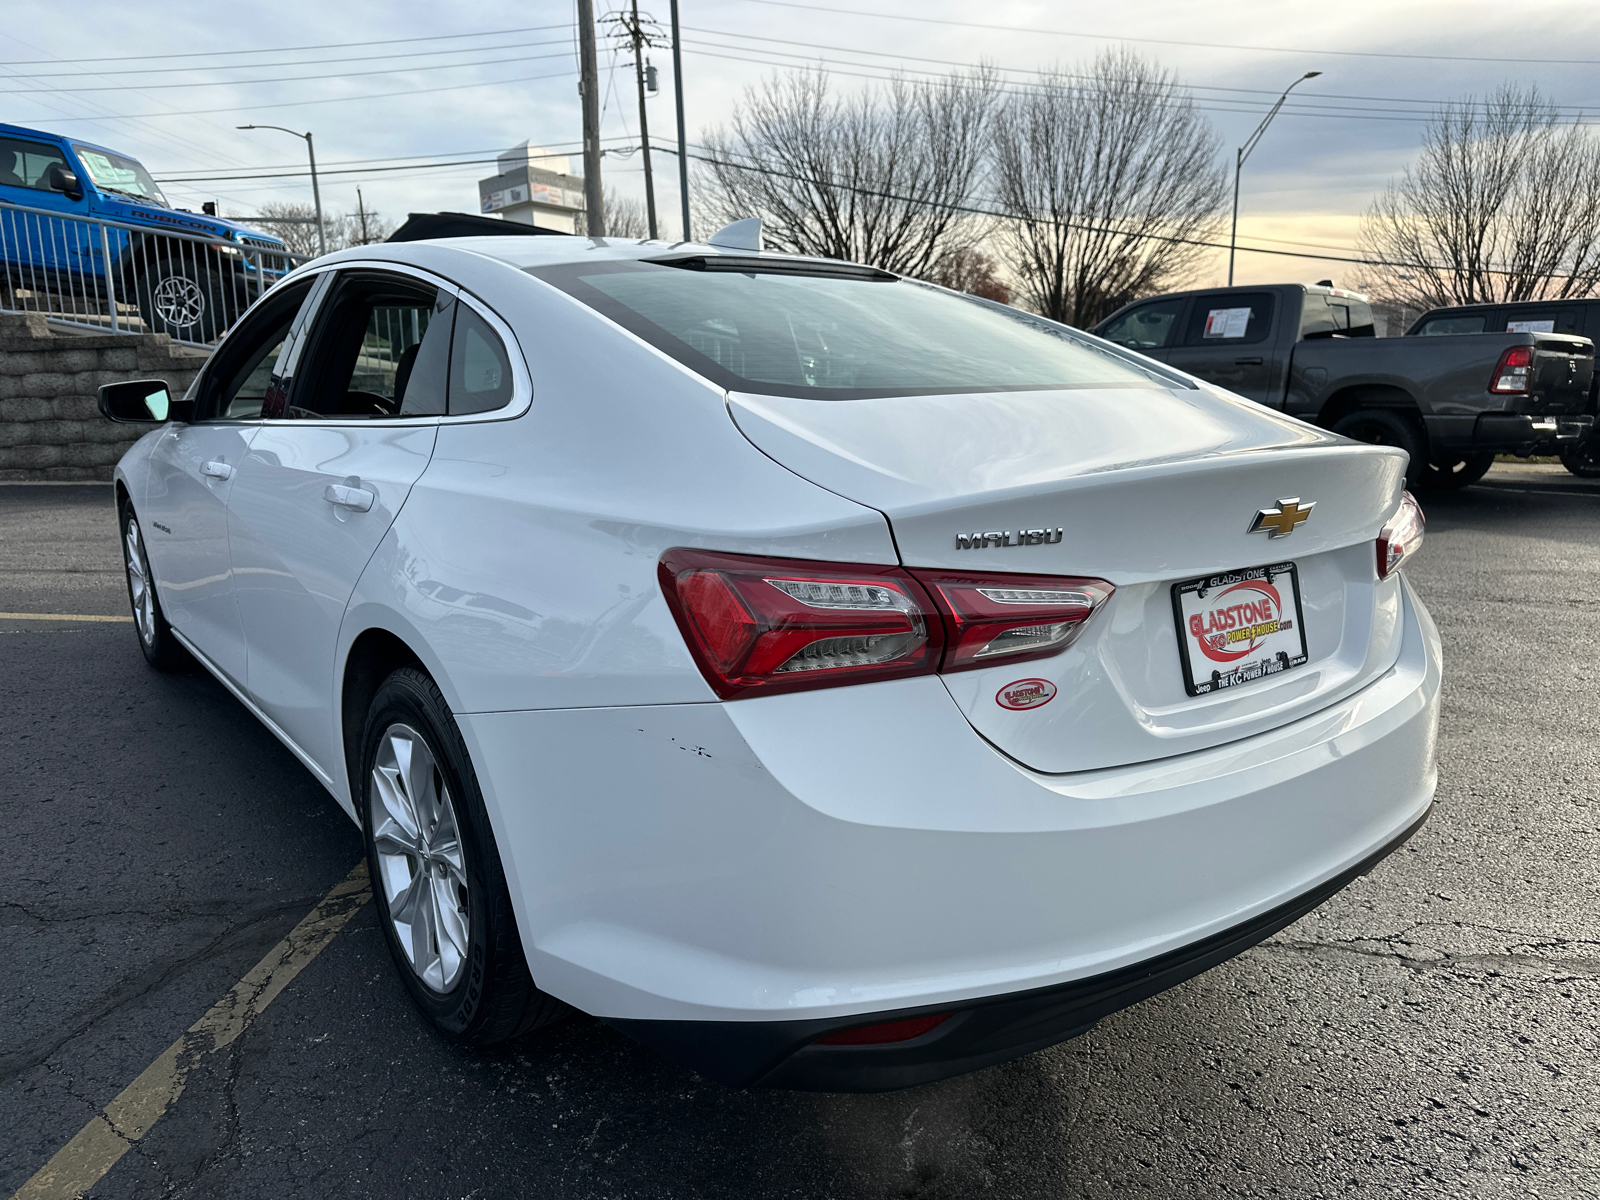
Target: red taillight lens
[
  {"x": 1513, "y": 372},
  {"x": 886, "y": 1032},
  {"x": 1401, "y": 537},
  {"x": 1010, "y": 618},
  {"x": 777, "y": 625}
]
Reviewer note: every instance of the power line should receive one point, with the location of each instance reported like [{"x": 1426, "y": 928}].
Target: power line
[
  {"x": 436, "y": 37},
  {"x": 1107, "y": 37}
]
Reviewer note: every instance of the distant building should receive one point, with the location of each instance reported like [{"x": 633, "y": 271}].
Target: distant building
[{"x": 536, "y": 188}]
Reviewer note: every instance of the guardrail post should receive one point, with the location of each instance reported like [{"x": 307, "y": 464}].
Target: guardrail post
[{"x": 111, "y": 286}]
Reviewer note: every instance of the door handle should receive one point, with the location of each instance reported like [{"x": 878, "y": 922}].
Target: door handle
[
  {"x": 216, "y": 470},
  {"x": 343, "y": 496},
  {"x": 1247, "y": 362}
]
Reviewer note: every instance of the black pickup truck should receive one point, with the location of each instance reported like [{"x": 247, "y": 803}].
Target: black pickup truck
[
  {"x": 1452, "y": 403},
  {"x": 1534, "y": 316}
]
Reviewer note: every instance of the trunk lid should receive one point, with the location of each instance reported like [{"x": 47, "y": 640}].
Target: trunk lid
[{"x": 1143, "y": 487}]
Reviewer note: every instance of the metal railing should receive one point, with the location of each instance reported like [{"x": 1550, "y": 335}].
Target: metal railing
[{"x": 124, "y": 278}]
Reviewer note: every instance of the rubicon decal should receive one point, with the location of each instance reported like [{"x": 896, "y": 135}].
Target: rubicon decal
[{"x": 1025, "y": 693}]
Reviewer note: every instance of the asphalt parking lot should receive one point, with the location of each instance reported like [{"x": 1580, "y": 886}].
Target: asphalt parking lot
[{"x": 1430, "y": 1031}]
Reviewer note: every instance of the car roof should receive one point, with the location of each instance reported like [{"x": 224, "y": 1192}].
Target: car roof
[
  {"x": 1485, "y": 306},
  {"x": 24, "y": 131}
]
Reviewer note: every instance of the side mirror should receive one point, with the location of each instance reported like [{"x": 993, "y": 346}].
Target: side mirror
[
  {"x": 58, "y": 179},
  {"x": 147, "y": 401}
]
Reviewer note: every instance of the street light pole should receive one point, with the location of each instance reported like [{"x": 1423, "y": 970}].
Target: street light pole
[
  {"x": 594, "y": 206},
  {"x": 683, "y": 148},
  {"x": 316, "y": 193},
  {"x": 1244, "y": 152}
]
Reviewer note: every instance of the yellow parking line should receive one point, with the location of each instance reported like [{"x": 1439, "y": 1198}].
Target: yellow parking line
[
  {"x": 5, "y": 616},
  {"x": 79, "y": 1164}
]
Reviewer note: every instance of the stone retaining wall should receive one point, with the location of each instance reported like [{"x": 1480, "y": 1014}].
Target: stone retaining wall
[{"x": 50, "y": 425}]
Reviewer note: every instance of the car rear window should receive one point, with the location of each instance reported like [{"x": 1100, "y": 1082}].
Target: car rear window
[
  {"x": 1435, "y": 326},
  {"x": 774, "y": 330}
]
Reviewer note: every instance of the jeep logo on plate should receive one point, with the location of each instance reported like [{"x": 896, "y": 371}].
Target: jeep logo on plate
[{"x": 1025, "y": 693}]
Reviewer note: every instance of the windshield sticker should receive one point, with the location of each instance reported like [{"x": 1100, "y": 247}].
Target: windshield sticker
[
  {"x": 1530, "y": 326},
  {"x": 1227, "y": 322}
]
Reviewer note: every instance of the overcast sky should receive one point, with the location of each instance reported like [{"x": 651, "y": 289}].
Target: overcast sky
[{"x": 438, "y": 96}]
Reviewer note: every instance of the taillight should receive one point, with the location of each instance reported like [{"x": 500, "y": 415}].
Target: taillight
[
  {"x": 886, "y": 1032},
  {"x": 1512, "y": 373},
  {"x": 1400, "y": 538},
  {"x": 768, "y": 625},
  {"x": 1009, "y": 618},
  {"x": 778, "y": 625}
]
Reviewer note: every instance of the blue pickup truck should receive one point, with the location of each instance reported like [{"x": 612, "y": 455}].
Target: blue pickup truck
[{"x": 83, "y": 228}]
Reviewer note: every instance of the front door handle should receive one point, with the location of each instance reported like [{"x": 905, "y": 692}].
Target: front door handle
[
  {"x": 1247, "y": 362},
  {"x": 216, "y": 470},
  {"x": 343, "y": 496}
]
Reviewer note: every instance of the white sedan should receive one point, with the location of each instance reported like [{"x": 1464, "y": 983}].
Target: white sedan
[{"x": 828, "y": 679}]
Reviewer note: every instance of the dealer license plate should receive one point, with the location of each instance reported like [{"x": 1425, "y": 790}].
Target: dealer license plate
[{"x": 1239, "y": 626}]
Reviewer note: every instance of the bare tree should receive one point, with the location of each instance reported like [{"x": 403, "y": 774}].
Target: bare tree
[
  {"x": 1106, "y": 183},
  {"x": 968, "y": 269},
  {"x": 1504, "y": 204},
  {"x": 625, "y": 217},
  {"x": 870, "y": 177},
  {"x": 296, "y": 225}
]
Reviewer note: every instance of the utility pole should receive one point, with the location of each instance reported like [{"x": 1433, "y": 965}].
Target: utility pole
[
  {"x": 316, "y": 194},
  {"x": 361, "y": 207},
  {"x": 1244, "y": 152},
  {"x": 594, "y": 206},
  {"x": 683, "y": 147},
  {"x": 639, "y": 43}
]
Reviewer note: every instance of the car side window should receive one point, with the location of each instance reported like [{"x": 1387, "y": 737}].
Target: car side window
[
  {"x": 1440, "y": 326},
  {"x": 247, "y": 367},
  {"x": 380, "y": 350},
  {"x": 480, "y": 369},
  {"x": 1148, "y": 327},
  {"x": 25, "y": 164},
  {"x": 1231, "y": 319},
  {"x": 1542, "y": 320}
]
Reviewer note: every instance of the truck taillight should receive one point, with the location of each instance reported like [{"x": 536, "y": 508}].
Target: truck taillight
[
  {"x": 766, "y": 625},
  {"x": 1512, "y": 374},
  {"x": 1010, "y": 618},
  {"x": 1401, "y": 537}
]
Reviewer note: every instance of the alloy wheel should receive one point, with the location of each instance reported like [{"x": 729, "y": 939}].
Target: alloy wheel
[
  {"x": 178, "y": 301},
  {"x": 421, "y": 864},
  {"x": 140, "y": 591}
]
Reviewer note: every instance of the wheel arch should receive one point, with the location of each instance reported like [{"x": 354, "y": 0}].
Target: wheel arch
[
  {"x": 374, "y": 655},
  {"x": 1356, "y": 397}
]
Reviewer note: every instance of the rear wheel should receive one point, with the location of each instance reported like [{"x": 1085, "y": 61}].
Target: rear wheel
[
  {"x": 161, "y": 648},
  {"x": 1455, "y": 471},
  {"x": 1583, "y": 458},
  {"x": 438, "y": 884},
  {"x": 1385, "y": 427}
]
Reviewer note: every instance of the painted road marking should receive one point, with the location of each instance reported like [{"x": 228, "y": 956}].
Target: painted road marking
[
  {"x": 79, "y": 1164},
  {"x": 4, "y": 616}
]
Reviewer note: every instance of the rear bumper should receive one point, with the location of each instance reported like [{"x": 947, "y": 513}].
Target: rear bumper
[
  {"x": 978, "y": 1033},
  {"x": 728, "y": 882},
  {"x": 1507, "y": 433}
]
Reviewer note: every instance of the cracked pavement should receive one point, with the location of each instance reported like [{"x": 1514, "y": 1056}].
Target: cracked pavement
[{"x": 1430, "y": 1031}]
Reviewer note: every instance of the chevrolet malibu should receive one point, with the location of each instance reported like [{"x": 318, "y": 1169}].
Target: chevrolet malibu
[{"x": 830, "y": 680}]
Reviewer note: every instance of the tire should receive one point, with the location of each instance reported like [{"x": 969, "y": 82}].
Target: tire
[
  {"x": 1583, "y": 459},
  {"x": 1385, "y": 427},
  {"x": 1455, "y": 472},
  {"x": 182, "y": 299},
  {"x": 161, "y": 650},
  {"x": 441, "y": 899}
]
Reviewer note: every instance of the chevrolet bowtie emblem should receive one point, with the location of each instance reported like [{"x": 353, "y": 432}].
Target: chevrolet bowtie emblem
[{"x": 1280, "y": 521}]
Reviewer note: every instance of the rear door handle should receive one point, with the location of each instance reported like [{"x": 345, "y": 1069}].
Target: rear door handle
[
  {"x": 1247, "y": 362},
  {"x": 216, "y": 470},
  {"x": 343, "y": 496}
]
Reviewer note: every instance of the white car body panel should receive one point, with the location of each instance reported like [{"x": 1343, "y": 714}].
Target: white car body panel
[{"x": 676, "y": 857}]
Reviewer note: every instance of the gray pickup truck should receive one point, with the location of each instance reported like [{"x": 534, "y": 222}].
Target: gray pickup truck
[{"x": 1452, "y": 403}]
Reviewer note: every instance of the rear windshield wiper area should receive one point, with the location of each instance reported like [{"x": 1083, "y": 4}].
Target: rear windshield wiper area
[{"x": 753, "y": 265}]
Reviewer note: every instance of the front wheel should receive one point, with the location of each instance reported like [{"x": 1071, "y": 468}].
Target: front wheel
[
  {"x": 1455, "y": 471},
  {"x": 182, "y": 299},
  {"x": 438, "y": 884},
  {"x": 1582, "y": 458}
]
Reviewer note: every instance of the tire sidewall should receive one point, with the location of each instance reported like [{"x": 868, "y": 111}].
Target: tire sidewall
[{"x": 409, "y": 697}]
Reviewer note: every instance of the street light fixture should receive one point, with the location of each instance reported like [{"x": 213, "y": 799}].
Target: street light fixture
[
  {"x": 316, "y": 195},
  {"x": 1244, "y": 152}
]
